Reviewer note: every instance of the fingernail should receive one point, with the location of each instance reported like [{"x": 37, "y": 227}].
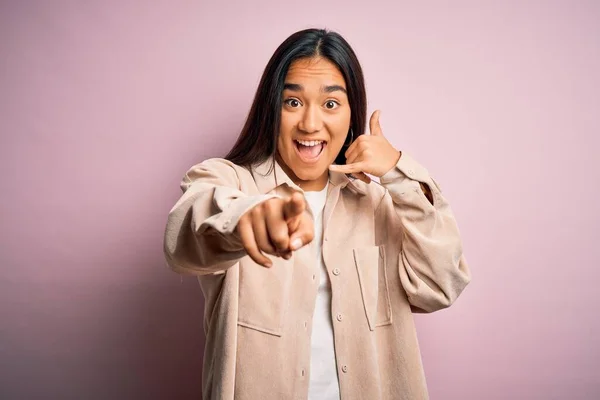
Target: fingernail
[
  {"x": 296, "y": 244},
  {"x": 269, "y": 264}
]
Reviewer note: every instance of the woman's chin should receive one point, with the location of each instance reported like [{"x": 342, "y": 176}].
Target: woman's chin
[
  {"x": 309, "y": 176},
  {"x": 306, "y": 173}
]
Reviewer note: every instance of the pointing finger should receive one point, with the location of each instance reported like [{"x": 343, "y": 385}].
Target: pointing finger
[
  {"x": 303, "y": 236},
  {"x": 294, "y": 206},
  {"x": 277, "y": 230}
]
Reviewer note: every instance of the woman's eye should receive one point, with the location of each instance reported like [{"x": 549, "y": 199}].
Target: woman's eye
[
  {"x": 292, "y": 103},
  {"x": 330, "y": 105}
]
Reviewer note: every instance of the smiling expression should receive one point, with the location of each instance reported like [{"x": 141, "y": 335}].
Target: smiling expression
[{"x": 315, "y": 119}]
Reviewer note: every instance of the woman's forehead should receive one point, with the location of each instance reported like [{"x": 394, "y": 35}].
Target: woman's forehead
[{"x": 314, "y": 70}]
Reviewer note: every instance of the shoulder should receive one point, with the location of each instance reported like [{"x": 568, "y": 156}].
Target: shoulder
[{"x": 215, "y": 170}]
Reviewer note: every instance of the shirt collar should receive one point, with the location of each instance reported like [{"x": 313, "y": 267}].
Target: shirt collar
[{"x": 270, "y": 177}]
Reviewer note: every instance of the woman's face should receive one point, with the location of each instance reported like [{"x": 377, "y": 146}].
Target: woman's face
[{"x": 315, "y": 119}]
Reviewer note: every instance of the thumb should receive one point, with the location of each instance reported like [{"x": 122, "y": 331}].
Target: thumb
[
  {"x": 374, "y": 125},
  {"x": 303, "y": 235}
]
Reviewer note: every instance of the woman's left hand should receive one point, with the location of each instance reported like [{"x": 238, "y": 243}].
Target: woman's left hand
[{"x": 369, "y": 154}]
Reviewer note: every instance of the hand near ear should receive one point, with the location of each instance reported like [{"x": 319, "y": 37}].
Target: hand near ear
[{"x": 369, "y": 154}]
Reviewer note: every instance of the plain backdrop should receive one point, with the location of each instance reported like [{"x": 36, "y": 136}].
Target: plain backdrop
[{"x": 105, "y": 104}]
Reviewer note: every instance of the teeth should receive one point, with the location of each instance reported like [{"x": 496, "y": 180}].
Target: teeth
[{"x": 309, "y": 143}]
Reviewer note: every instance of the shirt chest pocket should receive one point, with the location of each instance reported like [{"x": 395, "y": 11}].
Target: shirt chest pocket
[
  {"x": 264, "y": 297},
  {"x": 372, "y": 276}
]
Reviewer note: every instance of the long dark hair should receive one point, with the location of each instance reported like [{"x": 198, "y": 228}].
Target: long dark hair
[{"x": 258, "y": 138}]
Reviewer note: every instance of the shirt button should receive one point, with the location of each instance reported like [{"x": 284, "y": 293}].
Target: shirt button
[
  {"x": 225, "y": 224},
  {"x": 339, "y": 317},
  {"x": 345, "y": 368},
  {"x": 314, "y": 276},
  {"x": 336, "y": 271}
]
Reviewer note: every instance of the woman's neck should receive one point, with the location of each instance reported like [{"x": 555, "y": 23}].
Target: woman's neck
[{"x": 314, "y": 185}]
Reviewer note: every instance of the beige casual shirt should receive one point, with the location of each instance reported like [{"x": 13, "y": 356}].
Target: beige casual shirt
[{"x": 388, "y": 251}]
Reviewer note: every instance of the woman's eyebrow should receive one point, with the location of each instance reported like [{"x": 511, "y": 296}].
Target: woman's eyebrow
[
  {"x": 333, "y": 88},
  {"x": 294, "y": 87}
]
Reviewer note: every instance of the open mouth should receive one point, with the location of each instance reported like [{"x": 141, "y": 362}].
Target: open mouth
[{"x": 309, "y": 151}]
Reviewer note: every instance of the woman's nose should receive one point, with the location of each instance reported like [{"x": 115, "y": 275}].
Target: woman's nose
[{"x": 311, "y": 120}]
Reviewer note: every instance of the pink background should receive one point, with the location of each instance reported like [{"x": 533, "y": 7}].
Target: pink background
[{"x": 104, "y": 106}]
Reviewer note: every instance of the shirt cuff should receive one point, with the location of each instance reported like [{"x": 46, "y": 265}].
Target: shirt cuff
[
  {"x": 226, "y": 222},
  {"x": 406, "y": 167}
]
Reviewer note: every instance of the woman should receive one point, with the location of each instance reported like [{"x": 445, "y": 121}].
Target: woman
[{"x": 310, "y": 275}]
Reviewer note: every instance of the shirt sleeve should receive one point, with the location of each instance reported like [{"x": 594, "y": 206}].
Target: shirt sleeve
[
  {"x": 432, "y": 267},
  {"x": 200, "y": 236}
]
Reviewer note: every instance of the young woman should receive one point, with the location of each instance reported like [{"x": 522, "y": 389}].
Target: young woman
[{"x": 310, "y": 271}]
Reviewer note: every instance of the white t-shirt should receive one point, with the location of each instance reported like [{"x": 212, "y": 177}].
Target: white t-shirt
[{"x": 323, "y": 370}]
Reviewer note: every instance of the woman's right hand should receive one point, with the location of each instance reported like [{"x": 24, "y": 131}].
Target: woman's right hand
[{"x": 276, "y": 226}]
